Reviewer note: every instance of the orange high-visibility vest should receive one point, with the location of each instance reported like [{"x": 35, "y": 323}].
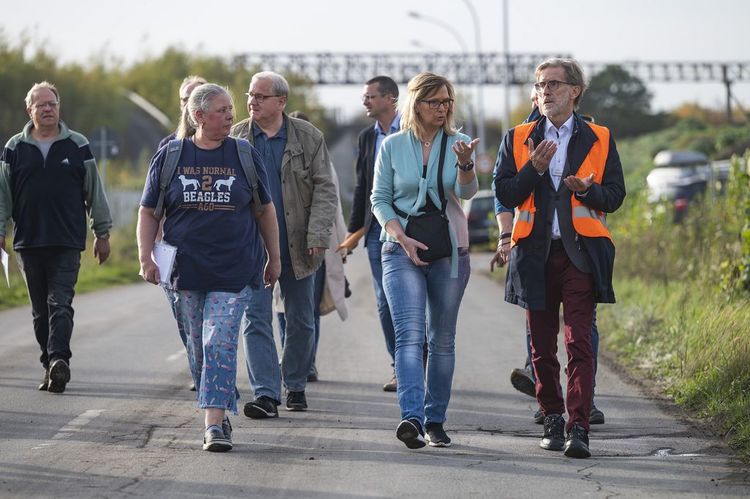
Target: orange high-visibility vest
[{"x": 586, "y": 221}]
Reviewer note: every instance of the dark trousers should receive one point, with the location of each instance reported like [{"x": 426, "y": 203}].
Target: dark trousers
[
  {"x": 565, "y": 284},
  {"x": 51, "y": 274}
]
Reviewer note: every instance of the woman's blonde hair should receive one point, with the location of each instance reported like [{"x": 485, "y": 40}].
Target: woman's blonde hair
[
  {"x": 420, "y": 88},
  {"x": 200, "y": 99}
]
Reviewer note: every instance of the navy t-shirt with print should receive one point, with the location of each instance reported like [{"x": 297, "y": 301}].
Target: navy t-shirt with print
[{"x": 209, "y": 219}]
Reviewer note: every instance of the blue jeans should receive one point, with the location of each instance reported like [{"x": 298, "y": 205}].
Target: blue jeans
[
  {"x": 374, "y": 246},
  {"x": 422, "y": 297},
  {"x": 320, "y": 284},
  {"x": 260, "y": 348},
  {"x": 211, "y": 321}
]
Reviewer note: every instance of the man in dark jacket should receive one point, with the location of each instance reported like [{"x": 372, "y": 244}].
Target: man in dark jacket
[
  {"x": 49, "y": 185},
  {"x": 380, "y": 98},
  {"x": 562, "y": 174}
]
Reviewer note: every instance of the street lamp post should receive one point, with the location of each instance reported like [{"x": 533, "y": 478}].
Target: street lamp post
[
  {"x": 459, "y": 39},
  {"x": 480, "y": 69}
]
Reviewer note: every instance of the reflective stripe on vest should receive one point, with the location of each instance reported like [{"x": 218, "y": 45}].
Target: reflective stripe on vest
[{"x": 586, "y": 221}]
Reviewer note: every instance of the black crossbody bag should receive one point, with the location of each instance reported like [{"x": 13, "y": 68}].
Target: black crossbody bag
[{"x": 431, "y": 228}]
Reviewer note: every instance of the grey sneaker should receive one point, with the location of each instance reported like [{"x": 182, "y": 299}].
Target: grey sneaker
[
  {"x": 59, "y": 375},
  {"x": 436, "y": 435},
  {"x": 214, "y": 440},
  {"x": 312, "y": 376}
]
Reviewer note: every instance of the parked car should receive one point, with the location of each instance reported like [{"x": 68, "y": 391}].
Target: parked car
[
  {"x": 678, "y": 177},
  {"x": 480, "y": 212}
]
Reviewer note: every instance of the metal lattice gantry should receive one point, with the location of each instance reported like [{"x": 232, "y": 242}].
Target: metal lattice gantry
[
  {"x": 356, "y": 68},
  {"x": 463, "y": 68}
]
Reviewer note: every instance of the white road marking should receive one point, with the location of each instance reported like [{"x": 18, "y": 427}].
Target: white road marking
[
  {"x": 77, "y": 423},
  {"x": 178, "y": 355}
]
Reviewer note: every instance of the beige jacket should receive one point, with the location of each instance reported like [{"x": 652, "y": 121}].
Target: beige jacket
[{"x": 309, "y": 193}]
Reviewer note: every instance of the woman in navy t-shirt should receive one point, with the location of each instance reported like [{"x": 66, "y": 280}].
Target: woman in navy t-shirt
[{"x": 220, "y": 252}]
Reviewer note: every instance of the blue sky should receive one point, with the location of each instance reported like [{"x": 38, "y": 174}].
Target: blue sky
[{"x": 615, "y": 30}]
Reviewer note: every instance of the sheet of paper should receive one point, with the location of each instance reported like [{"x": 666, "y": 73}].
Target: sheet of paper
[
  {"x": 164, "y": 255},
  {"x": 4, "y": 260}
]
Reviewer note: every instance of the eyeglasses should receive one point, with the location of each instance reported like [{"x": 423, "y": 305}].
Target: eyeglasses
[
  {"x": 366, "y": 97},
  {"x": 259, "y": 98},
  {"x": 551, "y": 84},
  {"x": 435, "y": 103},
  {"x": 42, "y": 105}
]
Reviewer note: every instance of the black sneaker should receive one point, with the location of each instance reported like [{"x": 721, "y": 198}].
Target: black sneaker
[
  {"x": 59, "y": 375},
  {"x": 436, "y": 435},
  {"x": 522, "y": 381},
  {"x": 554, "y": 433},
  {"x": 191, "y": 386},
  {"x": 596, "y": 416},
  {"x": 261, "y": 408},
  {"x": 577, "y": 444},
  {"x": 539, "y": 416},
  {"x": 296, "y": 401},
  {"x": 45, "y": 382},
  {"x": 226, "y": 428},
  {"x": 214, "y": 440},
  {"x": 409, "y": 431}
]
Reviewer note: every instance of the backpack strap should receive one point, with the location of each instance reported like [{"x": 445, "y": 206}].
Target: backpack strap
[
  {"x": 174, "y": 149},
  {"x": 251, "y": 174}
]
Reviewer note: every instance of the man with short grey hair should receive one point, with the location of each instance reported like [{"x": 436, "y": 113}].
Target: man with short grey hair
[
  {"x": 563, "y": 175},
  {"x": 49, "y": 186},
  {"x": 304, "y": 195}
]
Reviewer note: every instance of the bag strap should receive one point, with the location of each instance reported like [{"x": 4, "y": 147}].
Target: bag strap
[
  {"x": 251, "y": 174},
  {"x": 441, "y": 189},
  {"x": 174, "y": 149}
]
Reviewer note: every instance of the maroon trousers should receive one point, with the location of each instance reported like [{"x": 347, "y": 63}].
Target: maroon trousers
[{"x": 565, "y": 284}]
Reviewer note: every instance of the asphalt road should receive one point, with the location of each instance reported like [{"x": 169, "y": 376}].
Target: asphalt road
[{"x": 128, "y": 427}]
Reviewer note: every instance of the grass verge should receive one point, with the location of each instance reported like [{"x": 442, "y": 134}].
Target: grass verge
[
  {"x": 694, "y": 343},
  {"x": 120, "y": 268}
]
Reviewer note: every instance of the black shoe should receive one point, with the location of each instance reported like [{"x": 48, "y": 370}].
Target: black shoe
[
  {"x": 392, "y": 385},
  {"x": 45, "y": 382},
  {"x": 577, "y": 444},
  {"x": 409, "y": 431},
  {"x": 59, "y": 375},
  {"x": 313, "y": 375},
  {"x": 191, "y": 386},
  {"x": 296, "y": 401},
  {"x": 522, "y": 381},
  {"x": 214, "y": 440},
  {"x": 436, "y": 435},
  {"x": 226, "y": 428},
  {"x": 554, "y": 433},
  {"x": 261, "y": 408},
  {"x": 539, "y": 416},
  {"x": 596, "y": 416}
]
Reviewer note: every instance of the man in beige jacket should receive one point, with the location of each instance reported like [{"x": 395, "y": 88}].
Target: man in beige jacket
[{"x": 299, "y": 176}]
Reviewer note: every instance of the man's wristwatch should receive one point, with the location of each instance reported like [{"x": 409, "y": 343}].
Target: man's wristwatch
[
  {"x": 467, "y": 167},
  {"x": 104, "y": 236}
]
